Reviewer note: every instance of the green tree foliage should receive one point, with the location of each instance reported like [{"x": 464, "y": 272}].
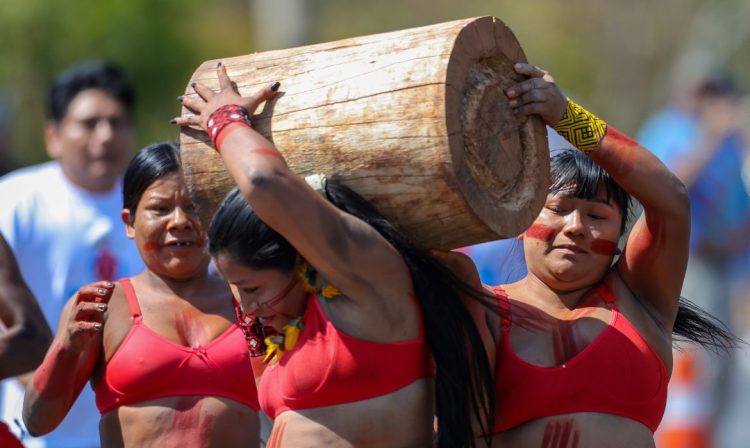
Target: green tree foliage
[{"x": 158, "y": 42}]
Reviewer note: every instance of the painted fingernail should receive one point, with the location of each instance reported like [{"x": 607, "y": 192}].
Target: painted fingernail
[
  {"x": 192, "y": 84},
  {"x": 511, "y": 92},
  {"x": 180, "y": 98},
  {"x": 101, "y": 291},
  {"x": 97, "y": 326},
  {"x": 517, "y": 65},
  {"x": 219, "y": 64},
  {"x": 512, "y": 103},
  {"x": 275, "y": 86},
  {"x": 173, "y": 121},
  {"x": 101, "y": 307},
  {"x": 109, "y": 284}
]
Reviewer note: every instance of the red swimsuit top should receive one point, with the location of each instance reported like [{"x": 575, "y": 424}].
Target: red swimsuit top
[
  {"x": 147, "y": 366},
  {"x": 618, "y": 373},
  {"x": 327, "y": 367}
]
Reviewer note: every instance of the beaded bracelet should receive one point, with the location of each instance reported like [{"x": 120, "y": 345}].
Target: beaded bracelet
[
  {"x": 220, "y": 119},
  {"x": 581, "y": 128}
]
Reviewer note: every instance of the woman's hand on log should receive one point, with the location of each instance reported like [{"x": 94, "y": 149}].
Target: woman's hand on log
[
  {"x": 208, "y": 100},
  {"x": 538, "y": 95}
]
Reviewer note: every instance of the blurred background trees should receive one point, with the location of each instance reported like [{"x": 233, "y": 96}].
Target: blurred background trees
[{"x": 621, "y": 57}]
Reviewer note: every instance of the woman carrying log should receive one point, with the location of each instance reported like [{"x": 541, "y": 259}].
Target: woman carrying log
[
  {"x": 165, "y": 356},
  {"x": 584, "y": 354},
  {"x": 359, "y": 309}
]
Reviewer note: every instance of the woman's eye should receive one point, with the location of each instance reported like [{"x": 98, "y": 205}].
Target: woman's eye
[{"x": 249, "y": 290}]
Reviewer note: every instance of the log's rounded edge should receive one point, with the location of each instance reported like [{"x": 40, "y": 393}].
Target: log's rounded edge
[
  {"x": 207, "y": 180},
  {"x": 501, "y": 162}
]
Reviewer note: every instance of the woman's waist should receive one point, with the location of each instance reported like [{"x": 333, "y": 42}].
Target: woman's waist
[
  {"x": 166, "y": 421},
  {"x": 577, "y": 429},
  {"x": 402, "y": 418}
]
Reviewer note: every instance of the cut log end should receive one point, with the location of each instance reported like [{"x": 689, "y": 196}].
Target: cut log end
[{"x": 501, "y": 160}]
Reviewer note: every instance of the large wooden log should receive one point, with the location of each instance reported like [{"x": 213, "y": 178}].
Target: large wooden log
[{"x": 415, "y": 121}]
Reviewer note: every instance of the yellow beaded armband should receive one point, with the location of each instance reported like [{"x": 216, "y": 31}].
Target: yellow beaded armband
[{"x": 580, "y": 127}]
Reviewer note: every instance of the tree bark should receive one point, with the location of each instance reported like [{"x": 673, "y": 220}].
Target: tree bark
[{"x": 415, "y": 121}]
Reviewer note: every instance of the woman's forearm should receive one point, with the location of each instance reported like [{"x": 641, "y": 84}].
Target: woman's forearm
[{"x": 54, "y": 388}]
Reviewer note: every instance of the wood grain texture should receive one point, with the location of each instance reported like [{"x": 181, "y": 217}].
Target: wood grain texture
[{"x": 414, "y": 120}]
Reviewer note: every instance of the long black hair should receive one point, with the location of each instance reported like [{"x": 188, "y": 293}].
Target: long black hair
[
  {"x": 464, "y": 381},
  {"x": 571, "y": 168},
  {"x": 150, "y": 164}
]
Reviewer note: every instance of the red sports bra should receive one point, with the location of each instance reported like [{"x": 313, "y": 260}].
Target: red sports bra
[
  {"x": 328, "y": 367},
  {"x": 618, "y": 373},
  {"x": 148, "y": 366}
]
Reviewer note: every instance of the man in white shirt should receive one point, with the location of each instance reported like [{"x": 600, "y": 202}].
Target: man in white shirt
[{"x": 62, "y": 218}]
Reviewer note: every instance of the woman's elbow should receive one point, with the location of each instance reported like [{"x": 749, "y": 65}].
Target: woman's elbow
[{"x": 35, "y": 425}]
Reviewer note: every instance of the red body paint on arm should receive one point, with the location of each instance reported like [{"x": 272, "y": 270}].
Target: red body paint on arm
[
  {"x": 50, "y": 378},
  {"x": 619, "y": 138},
  {"x": 267, "y": 152}
]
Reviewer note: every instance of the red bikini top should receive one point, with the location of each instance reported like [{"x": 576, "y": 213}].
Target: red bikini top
[
  {"x": 618, "y": 373},
  {"x": 328, "y": 367},
  {"x": 148, "y": 366}
]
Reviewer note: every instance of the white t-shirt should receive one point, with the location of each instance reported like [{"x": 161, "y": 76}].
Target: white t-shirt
[{"x": 64, "y": 237}]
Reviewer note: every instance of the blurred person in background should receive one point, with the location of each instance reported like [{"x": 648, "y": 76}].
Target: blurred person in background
[
  {"x": 62, "y": 218},
  {"x": 24, "y": 334},
  {"x": 699, "y": 138}
]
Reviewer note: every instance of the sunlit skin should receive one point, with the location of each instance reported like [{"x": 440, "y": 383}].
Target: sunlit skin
[
  {"x": 259, "y": 288},
  {"x": 93, "y": 140},
  {"x": 375, "y": 304},
  {"x": 181, "y": 303},
  {"x": 557, "y": 313},
  {"x": 167, "y": 230},
  {"x": 563, "y": 433},
  {"x": 563, "y": 245}
]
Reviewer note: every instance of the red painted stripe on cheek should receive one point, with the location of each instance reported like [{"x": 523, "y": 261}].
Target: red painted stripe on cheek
[
  {"x": 540, "y": 232},
  {"x": 604, "y": 247},
  {"x": 151, "y": 246}
]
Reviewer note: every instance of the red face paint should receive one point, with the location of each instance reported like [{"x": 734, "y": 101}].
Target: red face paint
[
  {"x": 561, "y": 434},
  {"x": 540, "y": 232},
  {"x": 151, "y": 246},
  {"x": 604, "y": 247}
]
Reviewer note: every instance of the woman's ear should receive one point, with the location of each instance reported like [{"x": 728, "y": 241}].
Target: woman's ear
[{"x": 127, "y": 219}]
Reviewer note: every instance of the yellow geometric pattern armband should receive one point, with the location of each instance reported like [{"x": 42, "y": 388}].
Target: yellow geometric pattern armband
[{"x": 580, "y": 127}]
